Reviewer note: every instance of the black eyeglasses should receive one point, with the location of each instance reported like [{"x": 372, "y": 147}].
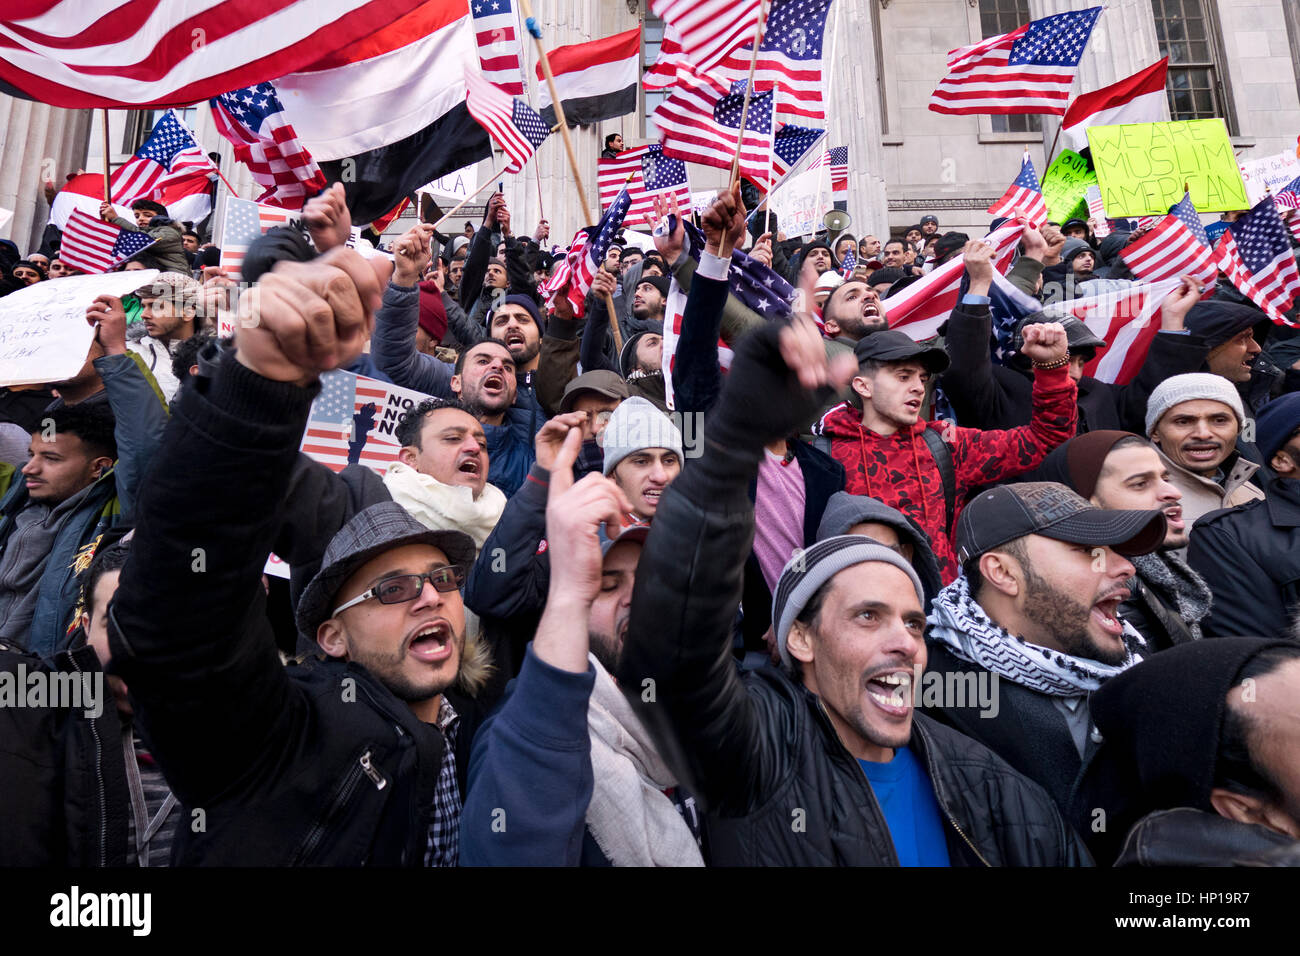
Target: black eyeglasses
[{"x": 407, "y": 587}]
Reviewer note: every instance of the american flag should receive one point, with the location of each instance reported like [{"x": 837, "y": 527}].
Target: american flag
[
  {"x": 710, "y": 29},
  {"x": 1029, "y": 70},
  {"x": 674, "y": 309},
  {"x": 663, "y": 74},
  {"x": 353, "y": 419},
  {"x": 1177, "y": 246},
  {"x": 92, "y": 245},
  {"x": 253, "y": 120},
  {"x": 1126, "y": 319},
  {"x": 245, "y": 221},
  {"x": 653, "y": 174},
  {"x": 170, "y": 155},
  {"x": 1255, "y": 254},
  {"x": 849, "y": 264},
  {"x": 920, "y": 309},
  {"x": 790, "y": 145},
  {"x": 837, "y": 158},
  {"x": 789, "y": 59},
  {"x": 1289, "y": 195},
  {"x": 587, "y": 254},
  {"x": 512, "y": 123},
  {"x": 700, "y": 123},
  {"x": 1023, "y": 197},
  {"x": 496, "y": 30}
]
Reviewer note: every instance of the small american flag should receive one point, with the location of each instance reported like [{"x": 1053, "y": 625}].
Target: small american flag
[
  {"x": 253, "y": 120},
  {"x": 837, "y": 158},
  {"x": 352, "y": 421},
  {"x": 1289, "y": 195},
  {"x": 1029, "y": 70},
  {"x": 710, "y": 29},
  {"x": 170, "y": 155},
  {"x": 700, "y": 123},
  {"x": 587, "y": 254},
  {"x": 92, "y": 245},
  {"x": 653, "y": 174},
  {"x": 789, "y": 59},
  {"x": 1023, "y": 197},
  {"x": 496, "y": 31},
  {"x": 790, "y": 145},
  {"x": 514, "y": 125},
  {"x": 1177, "y": 246},
  {"x": 245, "y": 222},
  {"x": 849, "y": 264},
  {"x": 1255, "y": 254}
]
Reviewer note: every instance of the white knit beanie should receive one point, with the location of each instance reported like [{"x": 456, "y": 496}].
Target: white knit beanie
[
  {"x": 1191, "y": 387},
  {"x": 637, "y": 424}
]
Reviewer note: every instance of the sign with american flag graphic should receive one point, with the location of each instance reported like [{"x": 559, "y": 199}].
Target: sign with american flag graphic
[
  {"x": 354, "y": 421},
  {"x": 245, "y": 221}
]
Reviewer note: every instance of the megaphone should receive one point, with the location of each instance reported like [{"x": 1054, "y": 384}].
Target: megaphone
[{"x": 836, "y": 221}]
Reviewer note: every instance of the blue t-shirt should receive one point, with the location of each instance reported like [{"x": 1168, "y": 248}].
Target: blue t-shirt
[{"x": 906, "y": 797}]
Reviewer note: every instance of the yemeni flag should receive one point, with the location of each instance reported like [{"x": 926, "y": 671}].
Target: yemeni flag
[
  {"x": 387, "y": 114},
  {"x": 596, "y": 81},
  {"x": 1139, "y": 98}
]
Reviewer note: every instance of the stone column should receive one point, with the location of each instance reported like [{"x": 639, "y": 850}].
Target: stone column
[
  {"x": 40, "y": 142},
  {"x": 853, "y": 111}
]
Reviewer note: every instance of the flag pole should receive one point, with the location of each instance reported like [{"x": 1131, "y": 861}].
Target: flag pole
[
  {"x": 535, "y": 31},
  {"x": 749, "y": 87},
  {"x": 457, "y": 208},
  {"x": 108, "y": 190},
  {"x": 1052, "y": 150}
]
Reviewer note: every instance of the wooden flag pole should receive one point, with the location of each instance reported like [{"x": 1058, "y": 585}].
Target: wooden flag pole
[
  {"x": 455, "y": 209},
  {"x": 108, "y": 190},
  {"x": 530, "y": 23},
  {"x": 1048, "y": 165},
  {"x": 749, "y": 87}
]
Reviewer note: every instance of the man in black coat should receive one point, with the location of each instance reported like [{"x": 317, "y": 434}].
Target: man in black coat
[
  {"x": 354, "y": 757},
  {"x": 1250, "y": 554},
  {"x": 802, "y": 771}
]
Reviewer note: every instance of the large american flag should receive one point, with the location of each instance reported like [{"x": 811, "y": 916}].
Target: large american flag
[
  {"x": 170, "y": 155},
  {"x": 1176, "y": 246},
  {"x": 496, "y": 31},
  {"x": 653, "y": 174},
  {"x": 789, "y": 59},
  {"x": 700, "y": 123},
  {"x": 92, "y": 245},
  {"x": 1023, "y": 197},
  {"x": 587, "y": 254},
  {"x": 1127, "y": 319},
  {"x": 1029, "y": 70},
  {"x": 710, "y": 29},
  {"x": 662, "y": 75},
  {"x": 245, "y": 221},
  {"x": 353, "y": 419},
  {"x": 514, "y": 125},
  {"x": 253, "y": 120},
  {"x": 1255, "y": 254}
]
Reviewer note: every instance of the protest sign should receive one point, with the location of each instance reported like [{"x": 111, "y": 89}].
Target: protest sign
[
  {"x": 1064, "y": 184},
  {"x": 1142, "y": 167},
  {"x": 801, "y": 201},
  {"x": 1270, "y": 173},
  {"x": 638, "y": 240},
  {"x": 459, "y": 185},
  {"x": 354, "y": 421},
  {"x": 44, "y": 336},
  {"x": 702, "y": 200}
]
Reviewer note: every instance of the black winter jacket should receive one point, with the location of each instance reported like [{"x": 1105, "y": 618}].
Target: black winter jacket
[
  {"x": 759, "y": 752},
  {"x": 314, "y": 763},
  {"x": 1190, "y": 837}
]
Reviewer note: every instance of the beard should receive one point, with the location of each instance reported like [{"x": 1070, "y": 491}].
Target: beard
[
  {"x": 479, "y": 407},
  {"x": 527, "y": 353},
  {"x": 1065, "y": 621},
  {"x": 387, "y": 669},
  {"x": 855, "y": 328},
  {"x": 607, "y": 649}
]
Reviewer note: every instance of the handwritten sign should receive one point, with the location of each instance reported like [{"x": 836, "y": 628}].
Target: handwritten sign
[
  {"x": 44, "y": 336},
  {"x": 1142, "y": 167},
  {"x": 458, "y": 185},
  {"x": 1064, "y": 185},
  {"x": 801, "y": 202},
  {"x": 1269, "y": 173}
]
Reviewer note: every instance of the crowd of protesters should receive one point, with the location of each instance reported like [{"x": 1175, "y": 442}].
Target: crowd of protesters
[{"x": 600, "y": 611}]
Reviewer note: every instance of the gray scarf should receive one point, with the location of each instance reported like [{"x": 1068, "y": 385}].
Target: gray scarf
[{"x": 1175, "y": 583}]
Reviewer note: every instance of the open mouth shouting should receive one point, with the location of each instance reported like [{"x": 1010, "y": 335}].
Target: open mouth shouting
[
  {"x": 470, "y": 465},
  {"x": 650, "y": 496},
  {"x": 891, "y": 691},
  {"x": 1202, "y": 452},
  {"x": 1174, "y": 518},
  {"x": 515, "y": 340},
  {"x": 493, "y": 383},
  {"x": 1106, "y": 612},
  {"x": 431, "y": 643}
]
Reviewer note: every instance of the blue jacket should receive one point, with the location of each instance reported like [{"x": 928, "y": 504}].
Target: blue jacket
[
  {"x": 141, "y": 414},
  {"x": 392, "y": 346}
]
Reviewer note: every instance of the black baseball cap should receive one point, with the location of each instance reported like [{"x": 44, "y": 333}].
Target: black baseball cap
[
  {"x": 893, "y": 346},
  {"x": 1006, "y": 512}
]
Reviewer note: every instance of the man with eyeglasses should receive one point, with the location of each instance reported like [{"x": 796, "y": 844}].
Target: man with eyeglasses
[{"x": 357, "y": 755}]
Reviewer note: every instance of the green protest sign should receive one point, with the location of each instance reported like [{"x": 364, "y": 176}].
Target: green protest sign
[
  {"x": 1064, "y": 184},
  {"x": 1142, "y": 167}
]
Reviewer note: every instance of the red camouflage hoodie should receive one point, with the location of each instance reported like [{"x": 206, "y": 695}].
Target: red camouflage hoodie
[{"x": 899, "y": 469}]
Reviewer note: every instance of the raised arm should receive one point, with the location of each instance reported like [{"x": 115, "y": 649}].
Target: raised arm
[{"x": 392, "y": 346}]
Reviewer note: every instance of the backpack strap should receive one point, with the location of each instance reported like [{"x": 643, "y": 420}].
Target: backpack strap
[{"x": 942, "y": 454}]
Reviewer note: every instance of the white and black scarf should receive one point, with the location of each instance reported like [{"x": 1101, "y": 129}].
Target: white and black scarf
[{"x": 957, "y": 621}]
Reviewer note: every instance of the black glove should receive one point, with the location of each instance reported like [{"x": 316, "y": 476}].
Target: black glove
[{"x": 279, "y": 243}]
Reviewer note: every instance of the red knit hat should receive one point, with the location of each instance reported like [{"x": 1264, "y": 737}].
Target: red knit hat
[{"x": 433, "y": 317}]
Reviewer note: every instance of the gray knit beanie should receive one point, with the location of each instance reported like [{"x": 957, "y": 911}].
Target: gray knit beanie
[
  {"x": 637, "y": 424},
  {"x": 809, "y": 569},
  {"x": 1191, "y": 387}
]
